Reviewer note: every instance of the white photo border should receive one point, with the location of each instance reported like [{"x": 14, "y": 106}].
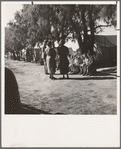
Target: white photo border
[{"x": 61, "y": 131}]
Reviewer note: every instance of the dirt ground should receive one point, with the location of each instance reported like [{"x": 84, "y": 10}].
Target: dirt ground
[{"x": 78, "y": 95}]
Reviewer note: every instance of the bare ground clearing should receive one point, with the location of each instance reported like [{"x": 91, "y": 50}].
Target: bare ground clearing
[{"x": 77, "y": 95}]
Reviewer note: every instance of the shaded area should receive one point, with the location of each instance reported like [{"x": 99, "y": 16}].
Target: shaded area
[
  {"x": 105, "y": 74},
  {"x": 89, "y": 78},
  {"x": 110, "y": 71},
  {"x": 27, "y": 109},
  {"x": 12, "y": 96}
]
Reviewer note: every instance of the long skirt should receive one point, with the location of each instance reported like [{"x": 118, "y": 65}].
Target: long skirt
[
  {"x": 45, "y": 68},
  {"x": 64, "y": 68},
  {"x": 51, "y": 64}
]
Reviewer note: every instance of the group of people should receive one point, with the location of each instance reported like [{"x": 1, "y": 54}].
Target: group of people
[
  {"x": 50, "y": 62},
  {"x": 82, "y": 64},
  {"x": 88, "y": 67}
]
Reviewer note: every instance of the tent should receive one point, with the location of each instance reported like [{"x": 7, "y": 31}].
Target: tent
[{"x": 105, "y": 48}]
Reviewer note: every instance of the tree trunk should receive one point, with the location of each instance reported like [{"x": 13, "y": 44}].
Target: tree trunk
[
  {"x": 79, "y": 39},
  {"x": 85, "y": 48},
  {"x": 91, "y": 24}
]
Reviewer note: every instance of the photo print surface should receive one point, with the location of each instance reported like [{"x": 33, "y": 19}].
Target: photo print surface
[{"x": 60, "y": 63}]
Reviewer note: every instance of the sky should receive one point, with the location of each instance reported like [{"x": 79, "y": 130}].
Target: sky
[
  {"x": 9, "y": 8},
  {"x": 8, "y": 11}
]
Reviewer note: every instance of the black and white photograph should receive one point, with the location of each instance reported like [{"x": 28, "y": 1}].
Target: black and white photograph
[{"x": 60, "y": 61}]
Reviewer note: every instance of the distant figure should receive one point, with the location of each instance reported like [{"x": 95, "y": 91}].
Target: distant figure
[
  {"x": 12, "y": 97},
  {"x": 63, "y": 52},
  {"x": 44, "y": 55},
  {"x": 50, "y": 59},
  {"x": 24, "y": 54},
  {"x": 29, "y": 53},
  {"x": 14, "y": 55}
]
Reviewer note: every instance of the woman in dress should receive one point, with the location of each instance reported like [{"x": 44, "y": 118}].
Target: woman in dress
[
  {"x": 44, "y": 57},
  {"x": 50, "y": 59},
  {"x": 64, "y": 63}
]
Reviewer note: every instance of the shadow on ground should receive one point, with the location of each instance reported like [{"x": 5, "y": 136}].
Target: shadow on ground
[
  {"x": 27, "y": 109},
  {"x": 89, "y": 78},
  {"x": 101, "y": 74}
]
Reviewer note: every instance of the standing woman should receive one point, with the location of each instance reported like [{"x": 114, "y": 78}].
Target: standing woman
[
  {"x": 44, "y": 55},
  {"x": 64, "y": 63},
  {"x": 50, "y": 59}
]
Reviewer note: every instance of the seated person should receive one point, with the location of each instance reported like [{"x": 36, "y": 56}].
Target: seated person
[{"x": 74, "y": 66}]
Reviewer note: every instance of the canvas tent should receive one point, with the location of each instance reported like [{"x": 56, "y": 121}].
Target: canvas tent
[{"x": 105, "y": 48}]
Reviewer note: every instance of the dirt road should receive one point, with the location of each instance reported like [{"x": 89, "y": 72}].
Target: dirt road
[{"x": 77, "y": 95}]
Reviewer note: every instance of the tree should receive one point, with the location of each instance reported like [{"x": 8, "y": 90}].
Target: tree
[
  {"x": 50, "y": 22},
  {"x": 84, "y": 20},
  {"x": 35, "y": 23},
  {"x": 8, "y": 40},
  {"x": 19, "y": 32},
  {"x": 40, "y": 25}
]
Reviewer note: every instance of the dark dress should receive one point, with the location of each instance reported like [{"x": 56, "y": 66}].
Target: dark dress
[{"x": 63, "y": 52}]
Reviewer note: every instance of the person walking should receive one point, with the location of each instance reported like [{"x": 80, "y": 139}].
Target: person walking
[
  {"x": 50, "y": 59},
  {"x": 64, "y": 63}
]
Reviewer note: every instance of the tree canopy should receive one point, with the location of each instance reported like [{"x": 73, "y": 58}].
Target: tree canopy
[{"x": 35, "y": 23}]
